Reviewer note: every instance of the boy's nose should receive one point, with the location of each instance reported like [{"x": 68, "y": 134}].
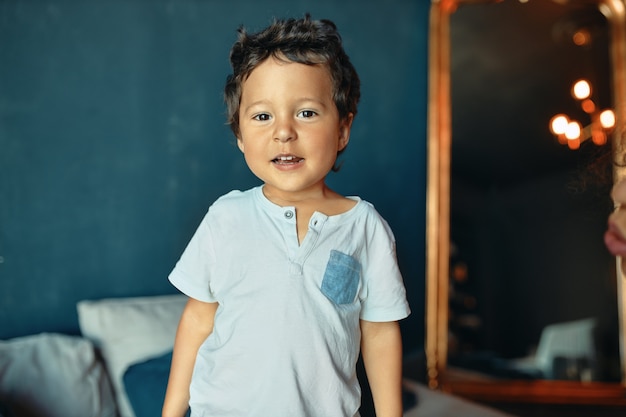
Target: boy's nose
[{"x": 284, "y": 132}]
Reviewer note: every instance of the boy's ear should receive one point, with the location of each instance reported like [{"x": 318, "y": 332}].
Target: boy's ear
[
  {"x": 344, "y": 131},
  {"x": 240, "y": 144}
]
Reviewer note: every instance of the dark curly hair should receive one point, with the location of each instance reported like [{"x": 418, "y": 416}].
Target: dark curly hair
[{"x": 304, "y": 41}]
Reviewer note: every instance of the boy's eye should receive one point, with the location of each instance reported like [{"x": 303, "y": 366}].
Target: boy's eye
[
  {"x": 307, "y": 113},
  {"x": 262, "y": 117}
]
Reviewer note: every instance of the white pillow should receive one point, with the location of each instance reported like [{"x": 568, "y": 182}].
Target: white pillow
[
  {"x": 54, "y": 375},
  {"x": 130, "y": 330}
]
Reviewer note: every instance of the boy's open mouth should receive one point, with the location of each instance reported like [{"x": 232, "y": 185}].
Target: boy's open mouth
[{"x": 287, "y": 160}]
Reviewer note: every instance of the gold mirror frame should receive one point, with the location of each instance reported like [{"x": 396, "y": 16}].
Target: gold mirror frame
[{"x": 438, "y": 222}]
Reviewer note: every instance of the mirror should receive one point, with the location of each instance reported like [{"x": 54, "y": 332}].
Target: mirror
[{"x": 497, "y": 308}]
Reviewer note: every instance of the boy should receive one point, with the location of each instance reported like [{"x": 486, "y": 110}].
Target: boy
[{"x": 289, "y": 279}]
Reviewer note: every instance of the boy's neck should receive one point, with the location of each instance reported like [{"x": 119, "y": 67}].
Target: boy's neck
[{"x": 317, "y": 195}]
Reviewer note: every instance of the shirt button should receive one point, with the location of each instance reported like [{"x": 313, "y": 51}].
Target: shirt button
[{"x": 288, "y": 214}]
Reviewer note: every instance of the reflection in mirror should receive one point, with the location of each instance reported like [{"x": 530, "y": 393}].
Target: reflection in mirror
[
  {"x": 524, "y": 304},
  {"x": 532, "y": 289}
]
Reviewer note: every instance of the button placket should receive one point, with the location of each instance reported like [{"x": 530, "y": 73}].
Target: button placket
[{"x": 317, "y": 221}]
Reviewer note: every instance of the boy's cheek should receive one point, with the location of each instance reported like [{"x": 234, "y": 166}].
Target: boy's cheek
[
  {"x": 619, "y": 192},
  {"x": 617, "y": 220}
]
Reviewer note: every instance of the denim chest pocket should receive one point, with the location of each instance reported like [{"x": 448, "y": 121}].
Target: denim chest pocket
[{"x": 341, "y": 278}]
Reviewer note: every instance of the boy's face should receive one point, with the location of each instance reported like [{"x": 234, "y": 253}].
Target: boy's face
[{"x": 290, "y": 130}]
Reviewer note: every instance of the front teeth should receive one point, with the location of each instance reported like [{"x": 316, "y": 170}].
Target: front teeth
[{"x": 286, "y": 158}]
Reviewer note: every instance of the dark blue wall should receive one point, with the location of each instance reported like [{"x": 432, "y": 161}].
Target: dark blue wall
[{"x": 113, "y": 142}]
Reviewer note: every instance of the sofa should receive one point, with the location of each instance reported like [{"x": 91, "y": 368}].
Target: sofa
[{"x": 119, "y": 365}]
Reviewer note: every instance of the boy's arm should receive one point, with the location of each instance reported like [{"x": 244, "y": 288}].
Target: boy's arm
[
  {"x": 381, "y": 348},
  {"x": 196, "y": 324}
]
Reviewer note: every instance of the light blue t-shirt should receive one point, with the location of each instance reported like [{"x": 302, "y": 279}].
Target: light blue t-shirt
[{"x": 286, "y": 337}]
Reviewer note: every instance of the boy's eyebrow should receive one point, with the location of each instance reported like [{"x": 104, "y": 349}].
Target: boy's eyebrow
[
  {"x": 255, "y": 103},
  {"x": 316, "y": 100}
]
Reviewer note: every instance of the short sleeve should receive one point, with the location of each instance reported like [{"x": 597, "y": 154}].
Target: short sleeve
[
  {"x": 383, "y": 294},
  {"x": 192, "y": 273}
]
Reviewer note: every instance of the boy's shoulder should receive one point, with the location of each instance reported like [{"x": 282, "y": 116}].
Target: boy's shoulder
[
  {"x": 232, "y": 208},
  {"x": 233, "y": 199}
]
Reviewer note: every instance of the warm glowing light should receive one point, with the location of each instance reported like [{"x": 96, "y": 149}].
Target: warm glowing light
[
  {"x": 573, "y": 130},
  {"x": 558, "y": 124},
  {"x": 573, "y": 144},
  {"x": 607, "y": 119},
  {"x": 581, "y": 37},
  {"x": 588, "y": 106},
  {"x": 581, "y": 89},
  {"x": 598, "y": 137}
]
